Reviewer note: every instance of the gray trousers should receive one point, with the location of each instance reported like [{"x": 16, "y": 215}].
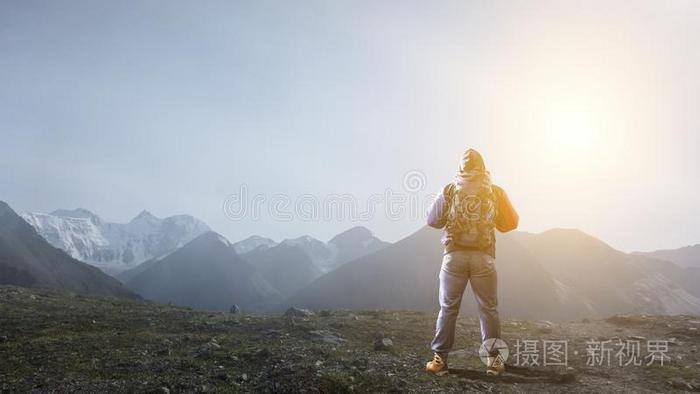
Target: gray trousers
[{"x": 458, "y": 268}]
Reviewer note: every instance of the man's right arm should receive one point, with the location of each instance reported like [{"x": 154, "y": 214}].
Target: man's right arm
[{"x": 437, "y": 216}]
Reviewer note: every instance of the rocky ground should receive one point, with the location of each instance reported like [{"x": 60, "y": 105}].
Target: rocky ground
[{"x": 61, "y": 342}]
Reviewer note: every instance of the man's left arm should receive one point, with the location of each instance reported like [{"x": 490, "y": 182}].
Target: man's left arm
[{"x": 506, "y": 217}]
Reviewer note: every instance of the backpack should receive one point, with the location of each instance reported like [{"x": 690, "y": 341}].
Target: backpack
[{"x": 472, "y": 214}]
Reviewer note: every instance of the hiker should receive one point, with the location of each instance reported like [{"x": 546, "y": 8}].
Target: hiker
[{"x": 469, "y": 209}]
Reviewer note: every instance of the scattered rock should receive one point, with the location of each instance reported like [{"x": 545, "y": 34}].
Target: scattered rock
[
  {"x": 360, "y": 363},
  {"x": 207, "y": 349},
  {"x": 274, "y": 333},
  {"x": 584, "y": 320},
  {"x": 383, "y": 344},
  {"x": 297, "y": 312},
  {"x": 327, "y": 336},
  {"x": 260, "y": 354},
  {"x": 263, "y": 353},
  {"x": 235, "y": 309},
  {"x": 627, "y": 320},
  {"x": 163, "y": 351},
  {"x": 679, "y": 383},
  {"x": 302, "y": 357},
  {"x": 220, "y": 375}
]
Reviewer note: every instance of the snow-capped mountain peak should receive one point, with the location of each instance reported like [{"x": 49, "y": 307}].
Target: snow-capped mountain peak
[
  {"x": 318, "y": 251},
  {"x": 115, "y": 247},
  {"x": 254, "y": 242},
  {"x": 145, "y": 222},
  {"x": 303, "y": 240},
  {"x": 144, "y": 214},
  {"x": 211, "y": 238},
  {"x": 78, "y": 213},
  {"x": 344, "y": 247}
]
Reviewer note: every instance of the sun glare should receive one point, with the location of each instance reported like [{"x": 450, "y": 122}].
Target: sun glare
[
  {"x": 569, "y": 132},
  {"x": 569, "y": 136}
]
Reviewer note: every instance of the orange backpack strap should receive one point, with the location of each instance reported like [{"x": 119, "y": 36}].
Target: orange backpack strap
[{"x": 506, "y": 217}]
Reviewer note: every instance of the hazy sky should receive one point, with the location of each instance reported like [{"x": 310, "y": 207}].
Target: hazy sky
[{"x": 587, "y": 113}]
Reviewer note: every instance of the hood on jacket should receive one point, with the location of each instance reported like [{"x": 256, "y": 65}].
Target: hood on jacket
[{"x": 471, "y": 168}]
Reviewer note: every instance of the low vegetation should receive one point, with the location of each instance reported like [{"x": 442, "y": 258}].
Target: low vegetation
[{"x": 55, "y": 341}]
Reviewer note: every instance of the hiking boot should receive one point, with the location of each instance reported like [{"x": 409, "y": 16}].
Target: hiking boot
[
  {"x": 495, "y": 366},
  {"x": 438, "y": 366}
]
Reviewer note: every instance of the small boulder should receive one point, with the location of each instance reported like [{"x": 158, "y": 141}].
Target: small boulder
[
  {"x": 297, "y": 312},
  {"x": 235, "y": 309},
  {"x": 680, "y": 384},
  {"x": 207, "y": 349},
  {"x": 544, "y": 330},
  {"x": 383, "y": 344},
  {"x": 327, "y": 336}
]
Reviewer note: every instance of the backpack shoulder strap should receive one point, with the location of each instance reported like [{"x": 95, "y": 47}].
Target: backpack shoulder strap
[{"x": 448, "y": 191}]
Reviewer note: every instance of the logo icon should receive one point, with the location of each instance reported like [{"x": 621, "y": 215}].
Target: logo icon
[{"x": 493, "y": 347}]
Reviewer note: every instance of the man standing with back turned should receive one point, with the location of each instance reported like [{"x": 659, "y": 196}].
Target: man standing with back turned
[{"x": 469, "y": 209}]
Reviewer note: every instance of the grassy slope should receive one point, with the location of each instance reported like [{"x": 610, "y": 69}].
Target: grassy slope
[{"x": 60, "y": 341}]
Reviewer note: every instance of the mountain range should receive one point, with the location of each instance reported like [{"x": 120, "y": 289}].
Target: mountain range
[
  {"x": 115, "y": 247},
  {"x": 206, "y": 273},
  {"x": 688, "y": 256},
  {"x": 256, "y": 274},
  {"x": 27, "y": 259},
  {"x": 559, "y": 274},
  {"x": 325, "y": 256}
]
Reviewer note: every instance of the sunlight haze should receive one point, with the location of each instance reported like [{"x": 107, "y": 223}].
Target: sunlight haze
[{"x": 585, "y": 112}]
